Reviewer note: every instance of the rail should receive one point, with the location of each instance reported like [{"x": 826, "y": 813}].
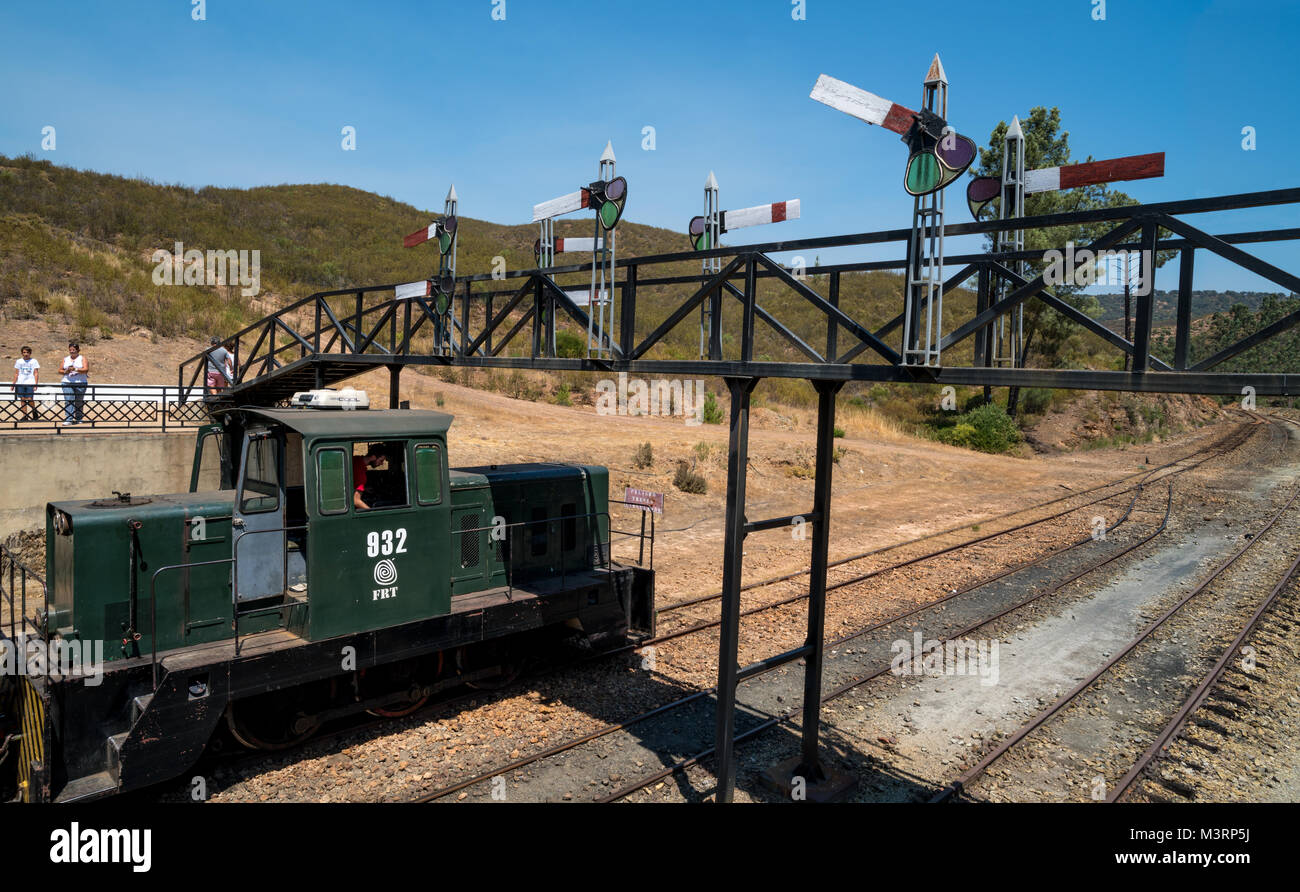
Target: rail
[
  {"x": 101, "y": 407},
  {"x": 642, "y": 536}
]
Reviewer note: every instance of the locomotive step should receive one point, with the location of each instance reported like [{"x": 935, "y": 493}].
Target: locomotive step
[
  {"x": 92, "y": 786},
  {"x": 139, "y": 706}
]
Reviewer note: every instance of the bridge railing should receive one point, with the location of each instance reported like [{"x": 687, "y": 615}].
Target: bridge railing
[{"x": 111, "y": 407}]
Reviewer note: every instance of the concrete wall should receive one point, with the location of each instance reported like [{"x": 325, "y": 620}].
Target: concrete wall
[{"x": 40, "y": 468}]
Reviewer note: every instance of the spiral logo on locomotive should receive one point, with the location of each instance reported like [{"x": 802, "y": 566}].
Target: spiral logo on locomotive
[{"x": 385, "y": 572}]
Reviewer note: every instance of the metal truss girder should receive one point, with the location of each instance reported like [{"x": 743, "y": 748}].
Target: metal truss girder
[
  {"x": 1077, "y": 315},
  {"x": 1024, "y": 292}
]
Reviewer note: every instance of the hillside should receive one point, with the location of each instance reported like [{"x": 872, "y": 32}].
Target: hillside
[
  {"x": 76, "y": 247},
  {"x": 80, "y": 243}
]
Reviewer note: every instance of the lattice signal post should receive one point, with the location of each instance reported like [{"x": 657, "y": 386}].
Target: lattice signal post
[
  {"x": 441, "y": 287},
  {"x": 607, "y": 196},
  {"x": 704, "y": 233},
  {"x": 937, "y": 157}
]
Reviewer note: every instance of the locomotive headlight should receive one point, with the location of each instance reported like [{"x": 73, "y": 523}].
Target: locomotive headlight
[{"x": 62, "y": 523}]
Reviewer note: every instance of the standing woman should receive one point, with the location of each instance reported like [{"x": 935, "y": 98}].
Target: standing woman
[{"x": 75, "y": 368}]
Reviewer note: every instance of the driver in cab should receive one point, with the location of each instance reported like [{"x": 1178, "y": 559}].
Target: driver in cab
[{"x": 363, "y": 498}]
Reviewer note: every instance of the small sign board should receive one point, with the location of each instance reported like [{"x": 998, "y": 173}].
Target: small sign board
[{"x": 644, "y": 499}]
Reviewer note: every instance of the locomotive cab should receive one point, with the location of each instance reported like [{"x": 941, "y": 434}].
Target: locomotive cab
[{"x": 356, "y": 499}]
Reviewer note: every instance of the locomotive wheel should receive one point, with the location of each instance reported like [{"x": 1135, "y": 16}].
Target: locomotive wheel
[
  {"x": 400, "y": 710},
  {"x": 263, "y": 723},
  {"x": 511, "y": 662}
]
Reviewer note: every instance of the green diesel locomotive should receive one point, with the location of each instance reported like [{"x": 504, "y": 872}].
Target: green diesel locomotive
[{"x": 325, "y": 562}]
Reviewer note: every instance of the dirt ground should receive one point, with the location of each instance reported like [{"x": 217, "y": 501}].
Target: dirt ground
[{"x": 887, "y": 487}]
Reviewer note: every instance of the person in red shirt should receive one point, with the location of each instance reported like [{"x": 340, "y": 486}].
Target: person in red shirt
[{"x": 373, "y": 457}]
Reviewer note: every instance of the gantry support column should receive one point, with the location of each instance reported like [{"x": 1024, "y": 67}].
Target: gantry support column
[
  {"x": 394, "y": 386},
  {"x": 805, "y": 777},
  {"x": 810, "y": 766},
  {"x": 732, "y": 551}
]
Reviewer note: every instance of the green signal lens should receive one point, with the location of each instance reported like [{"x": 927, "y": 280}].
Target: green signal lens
[
  {"x": 701, "y": 242},
  {"x": 923, "y": 174},
  {"x": 609, "y": 214},
  {"x": 444, "y": 241}
]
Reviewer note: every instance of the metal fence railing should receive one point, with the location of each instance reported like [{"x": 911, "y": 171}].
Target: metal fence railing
[{"x": 101, "y": 407}]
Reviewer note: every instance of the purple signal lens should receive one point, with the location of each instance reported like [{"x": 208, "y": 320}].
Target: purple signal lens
[
  {"x": 449, "y": 225},
  {"x": 955, "y": 151},
  {"x": 983, "y": 189},
  {"x": 615, "y": 189},
  {"x": 696, "y": 227}
]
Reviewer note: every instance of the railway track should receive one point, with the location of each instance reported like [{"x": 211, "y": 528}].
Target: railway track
[
  {"x": 1210, "y": 452},
  {"x": 699, "y": 696},
  {"x": 785, "y": 716},
  {"x": 1226, "y": 444},
  {"x": 1228, "y": 698},
  {"x": 1141, "y": 656}
]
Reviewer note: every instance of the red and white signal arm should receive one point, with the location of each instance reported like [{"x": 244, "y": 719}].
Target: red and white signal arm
[{"x": 644, "y": 499}]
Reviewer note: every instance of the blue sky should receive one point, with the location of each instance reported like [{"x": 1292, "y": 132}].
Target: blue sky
[{"x": 517, "y": 111}]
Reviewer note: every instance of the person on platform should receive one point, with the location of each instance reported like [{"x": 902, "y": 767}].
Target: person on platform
[
  {"x": 220, "y": 366},
  {"x": 27, "y": 374},
  {"x": 75, "y": 369}
]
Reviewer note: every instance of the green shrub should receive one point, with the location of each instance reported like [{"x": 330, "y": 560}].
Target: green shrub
[
  {"x": 569, "y": 346},
  {"x": 562, "y": 397},
  {"x": 712, "y": 411},
  {"x": 643, "y": 457},
  {"x": 1036, "y": 400},
  {"x": 960, "y": 434},
  {"x": 688, "y": 481},
  {"x": 986, "y": 429},
  {"x": 838, "y": 433}
]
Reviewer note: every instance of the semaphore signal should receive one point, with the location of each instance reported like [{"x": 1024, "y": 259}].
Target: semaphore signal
[
  {"x": 1005, "y": 342},
  {"x": 938, "y": 155},
  {"x": 704, "y": 234},
  {"x": 760, "y": 215},
  {"x": 983, "y": 190},
  {"x": 607, "y": 196},
  {"x": 441, "y": 286}
]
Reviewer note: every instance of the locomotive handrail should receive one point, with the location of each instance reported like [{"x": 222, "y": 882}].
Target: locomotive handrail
[
  {"x": 606, "y": 551},
  {"x": 7, "y": 556},
  {"x": 640, "y": 560},
  {"x": 234, "y": 602},
  {"x": 234, "y": 575}
]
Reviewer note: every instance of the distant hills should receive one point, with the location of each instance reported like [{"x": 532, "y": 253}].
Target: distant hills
[{"x": 1204, "y": 303}]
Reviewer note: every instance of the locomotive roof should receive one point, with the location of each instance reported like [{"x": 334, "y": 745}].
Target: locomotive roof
[{"x": 367, "y": 424}]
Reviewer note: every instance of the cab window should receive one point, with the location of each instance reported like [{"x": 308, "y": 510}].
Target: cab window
[
  {"x": 428, "y": 473},
  {"x": 378, "y": 478},
  {"x": 261, "y": 486},
  {"x": 331, "y": 481}
]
